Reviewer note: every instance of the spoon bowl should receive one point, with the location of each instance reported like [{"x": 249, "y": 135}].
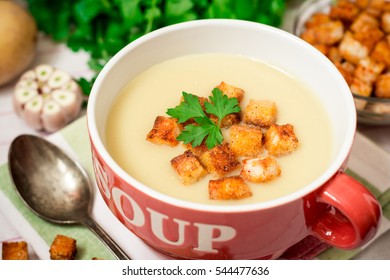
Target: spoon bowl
[{"x": 54, "y": 186}]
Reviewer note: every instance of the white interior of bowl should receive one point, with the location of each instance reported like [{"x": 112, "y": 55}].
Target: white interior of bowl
[{"x": 276, "y": 47}]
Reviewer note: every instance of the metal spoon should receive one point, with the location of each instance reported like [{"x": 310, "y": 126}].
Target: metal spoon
[{"x": 54, "y": 186}]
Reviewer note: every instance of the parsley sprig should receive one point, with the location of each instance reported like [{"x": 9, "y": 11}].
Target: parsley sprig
[{"x": 204, "y": 129}]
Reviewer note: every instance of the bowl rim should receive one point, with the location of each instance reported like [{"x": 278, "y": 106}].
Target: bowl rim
[{"x": 335, "y": 166}]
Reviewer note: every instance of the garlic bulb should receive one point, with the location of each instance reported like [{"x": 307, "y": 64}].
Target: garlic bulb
[{"x": 47, "y": 98}]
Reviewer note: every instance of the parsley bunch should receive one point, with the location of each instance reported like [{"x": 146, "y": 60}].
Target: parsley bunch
[
  {"x": 103, "y": 27},
  {"x": 205, "y": 128}
]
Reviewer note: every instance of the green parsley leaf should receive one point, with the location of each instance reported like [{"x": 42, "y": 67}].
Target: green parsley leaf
[
  {"x": 205, "y": 130},
  {"x": 222, "y": 105},
  {"x": 188, "y": 109}
]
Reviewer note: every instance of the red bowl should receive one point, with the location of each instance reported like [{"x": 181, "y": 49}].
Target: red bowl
[{"x": 333, "y": 207}]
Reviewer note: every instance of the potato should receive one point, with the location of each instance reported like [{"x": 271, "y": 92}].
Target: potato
[{"x": 18, "y": 40}]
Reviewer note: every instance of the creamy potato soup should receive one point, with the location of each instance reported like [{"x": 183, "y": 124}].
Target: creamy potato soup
[{"x": 160, "y": 87}]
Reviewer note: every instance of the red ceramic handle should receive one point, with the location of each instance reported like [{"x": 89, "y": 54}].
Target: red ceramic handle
[{"x": 353, "y": 216}]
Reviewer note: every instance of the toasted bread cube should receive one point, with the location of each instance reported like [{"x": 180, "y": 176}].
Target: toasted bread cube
[
  {"x": 368, "y": 70},
  {"x": 309, "y": 35},
  {"x": 228, "y": 120},
  {"x": 220, "y": 160},
  {"x": 381, "y": 52},
  {"x": 352, "y": 49},
  {"x": 369, "y": 36},
  {"x": 324, "y": 49},
  {"x": 385, "y": 22},
  {"x": 345, "y": 11},
  {"x": 346, "y": 71},
  {"x": 334, "y": 55},
  {"x": 364, "y": 21},
  {"x": 165, "y": 131},
  {"x": 362, "y": 88},
  {"x": 260, "y": 170},
  {"x": 325, "y": 34},
  {"x": 188, "y": 167},
  {"x": 377, "y": 5},
  {"x": 231, "y": 91},
  {"x": 63, "y": 248},
  {"x": 329, "y": 33},
  {"x": 246, "y": 140},
  {"x": 281, "y": 140},
  {"x": 15, "y": 250},
  {"x": 382, "y": 86},
  {"x": 198, "y": 150},
  {"x": 229, "y": 188},
  {"x": 362, "y": 4},
  {"x": 260, "y": 112},
  {"x": 316, "y": 19}
]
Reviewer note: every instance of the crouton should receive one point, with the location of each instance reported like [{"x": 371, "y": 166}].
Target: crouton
[
  {"x": 368, "y": 70},
  {"x": 198, "y": 150},
  {"x": 363, "y": 21},
  {"x": 281, "y": 140},
  {"x": 382, "y": 86},
  {"x": 362, "y": 88},
  {"x": 325, "y": 34},
  {"x": 362, "y": 4},
  {"x": 188, "y": 167},
  {"x": 229, "y": 188},
  {"x": 385, "y": 22},
  {"x": 309, "y": 35},
  {"x": 246, "y": 140},
  {"x": 369, "y": 36},
  {"x": 260, "y": 112},
  {"x": 260, "y": 170},
  {"x": 231, "y": 91},
  {"x": 345, "y": 11},
  {"x": 324, "y": 49},
  {"x": 63, "y": 248},
  {"x": 375, "y": 7},
  {"x": 329, "y": 33},
  {"x": 15, "y": 250},
  {"x": 220, "y": 160},
  {"x": 228, "y": 120},
  {"x": 352, "y": 49},
  {"x": 346, "y": 71},
  {"x": 381, "y": 52},
  {"x": 165, "y": 131},
  {"x": 334, "y": 55},
  {"x": 316, "y": 19}
]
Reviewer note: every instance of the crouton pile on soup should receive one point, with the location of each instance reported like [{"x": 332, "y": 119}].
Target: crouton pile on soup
[
  {"x": 250, "y": 153},
  {"x": 355, "y": 36},
  {"x": 219, "y": 129}
]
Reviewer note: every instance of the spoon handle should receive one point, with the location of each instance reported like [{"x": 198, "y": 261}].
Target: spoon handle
[{"x": 105, "y": 238}]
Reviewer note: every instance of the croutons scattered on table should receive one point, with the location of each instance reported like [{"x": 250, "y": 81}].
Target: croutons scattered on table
[
  {"x": 63, "y": 248},
  {"x": 17, "y": 250},
  {"x": 360, "y": 47},
  {"x": 247, "y": 155}
]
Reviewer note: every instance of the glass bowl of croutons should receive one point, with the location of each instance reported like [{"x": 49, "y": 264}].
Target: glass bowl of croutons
[{"x": 355, "y": 36}]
